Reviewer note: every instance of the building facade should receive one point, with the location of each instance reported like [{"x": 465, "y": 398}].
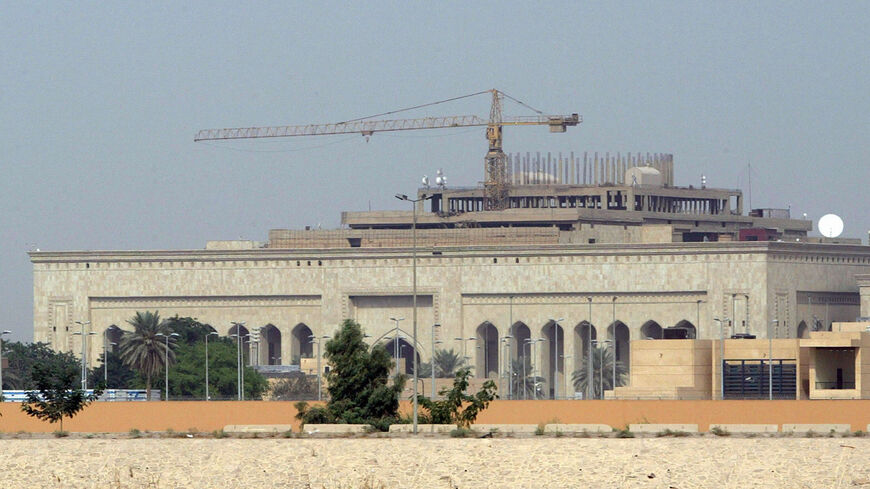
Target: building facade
[{"x": 563, "y": 265}]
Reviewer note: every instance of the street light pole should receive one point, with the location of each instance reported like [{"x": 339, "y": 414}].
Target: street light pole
[
  {"x": 527, "y": 341},
  {"x": 508, "y": 372},
  {"x": 106, "y": 344},
  {"x": 535, "y": 366},
  {"x": 5, "y": 332},
  {"x": 414, "y": 288},
  {"x": 239, "y": 379},
  {"x": 556, "y": 356},
  {"x": 770, "y": 358},
  {"x": 206, "y": 363},
  {"x": 166, "y": 363},
  {"x": 510, "y": 335},
  {"x": 396, "y": 343},
  {"x": 432, "y": 361},
  {"x": 613, "y": 338},
  {"x": 84, "y": 370},
  {"x": 721, "y": 355},
  {"x": 317, "y": 341},
  {"x": 589, "y": 373}
]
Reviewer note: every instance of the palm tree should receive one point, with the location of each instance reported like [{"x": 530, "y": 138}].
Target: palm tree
[
  {"x": 601, "y": 377},
  {"x": 526, "y": 385},
  {"x": 446, "y": 363},
  {"x": 143, "y": 350}
]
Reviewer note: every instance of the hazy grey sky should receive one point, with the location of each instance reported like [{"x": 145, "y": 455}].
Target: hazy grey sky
[{"x": 99, "y": 104}]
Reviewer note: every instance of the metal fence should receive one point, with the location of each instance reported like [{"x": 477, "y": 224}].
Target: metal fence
[
  {"x": 751, "y": 378},
  {"x": 109, "y": 395}
]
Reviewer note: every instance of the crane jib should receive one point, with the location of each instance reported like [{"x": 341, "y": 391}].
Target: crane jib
[{"x": 370, "y": 127}]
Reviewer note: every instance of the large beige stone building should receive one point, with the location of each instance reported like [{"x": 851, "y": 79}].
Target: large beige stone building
[{"x": 622, "y": 254}]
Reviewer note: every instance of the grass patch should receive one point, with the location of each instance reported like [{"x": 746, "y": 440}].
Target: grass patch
[
  {"x": 720, "y": 431},
  {"x": 624, "y": 433},
  {"x": 60, "y": 434},
  {"x": 219, "y": 433},
  {"x": 672, "y": 433},
  {"x": 540, "y": 429},
  {"x": 461, "y": 433},
  {"x": 858, "y": 434}
]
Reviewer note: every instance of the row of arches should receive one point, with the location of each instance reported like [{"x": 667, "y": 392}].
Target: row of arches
[
  {"x": 545, "y": 353},
  {"x": 267, "y": 350}
]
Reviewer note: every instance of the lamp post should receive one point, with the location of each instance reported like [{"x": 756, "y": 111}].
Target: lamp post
[
  {"x": 510, "y": 333},
  {"x": 106, "y": 344},
  {"x": 5, "y": 332},
  {"x": 506, "y": 339},
  {"x": 567, "y": 384},
  {"x": 239, "y": 379},
  {"x": 589, "y": 355},
  {"x": 414, "y": 285},
  {"x": 396, "y": 344},
  {"x": 770, "y": 357},
  {"x": 432, "y": 361},
  {"x": 556, "y": 356},
  {"x": 317, "y": 341},
  {"x": 613, "y": 338},
  {"x": 166, "y": 362},
  {"x": 527, "y": 341},
  {"x": 462, "y": 342},
  {"x": 206, "y": 363},
  {"x": 532, "y": 354},
  {"x": 721, "y": 355},
  {"x": 84, "y": 369},
  {"x": 601, "y": 364}
]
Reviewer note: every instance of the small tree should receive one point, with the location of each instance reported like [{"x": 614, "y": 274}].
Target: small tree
[
  {"x": 359, "y": 388},
  {"x": 450, "y": 409},
  {"x": 295, "y": 387},
  {"x": 602, "y": 372},
  {"x": 56, "y": 394}
]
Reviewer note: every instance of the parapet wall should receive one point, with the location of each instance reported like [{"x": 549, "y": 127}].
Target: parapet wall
[{"x": 204, "y": 416}]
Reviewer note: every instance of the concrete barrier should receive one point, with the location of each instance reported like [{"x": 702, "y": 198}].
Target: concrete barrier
[
  {"x": 746, "y": 428},
  {"x": 821, "y": 429},
  {"x": 658, "y": 428},
  {"x": 258, "y": 428},
  {"x": 422, "y": 428},
  {"x": 505, "y": 428},
  {"x": 577, "y": 428},
  {"x": 335, "y": 428}
]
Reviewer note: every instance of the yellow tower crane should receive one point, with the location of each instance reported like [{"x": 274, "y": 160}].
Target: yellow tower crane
[{"x": 496, "y": 180}]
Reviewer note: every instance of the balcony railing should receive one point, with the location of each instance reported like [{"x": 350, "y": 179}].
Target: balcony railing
[{"x": 835, "y": 385}]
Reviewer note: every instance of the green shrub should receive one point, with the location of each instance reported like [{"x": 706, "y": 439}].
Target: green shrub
[
  {"x": 539, "y": 430},
  {"x": 457, "y": 407},
  {"x": 135, "y": 433},
  {"x": 461, "y": 433},
  {"x": 60, "y": 434},
  {"x": 624, "y": 433},
  {"x": 219, "y": 433},
  {"x": 719, "y": 431},
  {"x": 672, "y": 433}
]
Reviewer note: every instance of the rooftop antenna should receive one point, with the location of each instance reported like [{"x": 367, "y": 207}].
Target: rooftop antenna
[
  {"x": 703, "y": 181},
  {"x": 830, "y": 225},
  {"x": 426, "y": 182},
  {"x": 440, "y": 179}
]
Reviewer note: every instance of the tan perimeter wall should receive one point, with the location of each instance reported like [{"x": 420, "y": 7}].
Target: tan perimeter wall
[{"x": 208, "y": 416}]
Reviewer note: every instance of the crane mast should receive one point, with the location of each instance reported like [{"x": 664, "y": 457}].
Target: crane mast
[{"x": 496, "y": 179}]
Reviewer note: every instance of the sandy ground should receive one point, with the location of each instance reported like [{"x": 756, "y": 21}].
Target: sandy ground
[{"x": 706, "y": 462}]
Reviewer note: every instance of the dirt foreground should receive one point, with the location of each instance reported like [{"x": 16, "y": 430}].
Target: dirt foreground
[{"x": 697, "y": 462}]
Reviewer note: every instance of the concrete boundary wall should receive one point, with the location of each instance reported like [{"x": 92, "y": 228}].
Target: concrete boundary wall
[{"x": 120, "y": 417}]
